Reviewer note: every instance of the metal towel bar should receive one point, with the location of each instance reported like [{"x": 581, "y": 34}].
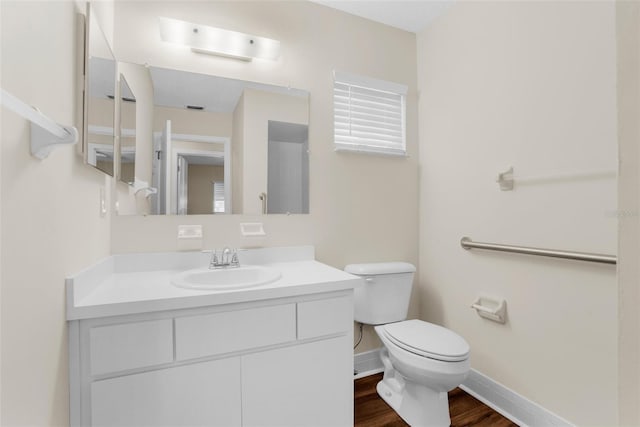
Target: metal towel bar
[{"x": 467, "y": 243}]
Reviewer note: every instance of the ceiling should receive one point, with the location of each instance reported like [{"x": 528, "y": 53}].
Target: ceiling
[{"x": 412, "y": 16}]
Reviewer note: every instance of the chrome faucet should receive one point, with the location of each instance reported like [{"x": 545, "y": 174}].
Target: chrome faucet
[
  {"x": 225, "y": 255},
  {"x": 228, "y": 258}
]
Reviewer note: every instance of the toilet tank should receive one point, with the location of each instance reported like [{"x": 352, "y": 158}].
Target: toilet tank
[{"x": 384, "y": 297}]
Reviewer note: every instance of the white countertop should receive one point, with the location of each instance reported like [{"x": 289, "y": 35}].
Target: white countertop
[{"x": 140, "y": 283}]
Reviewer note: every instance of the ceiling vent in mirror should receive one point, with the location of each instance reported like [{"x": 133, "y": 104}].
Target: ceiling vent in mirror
[{"x": 216, "y": 41}]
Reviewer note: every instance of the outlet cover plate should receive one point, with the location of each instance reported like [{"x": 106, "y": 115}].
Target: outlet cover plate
[{"x": 190, "y": 232}]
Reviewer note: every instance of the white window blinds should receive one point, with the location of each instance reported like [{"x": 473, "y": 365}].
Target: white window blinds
[
  {"x": 218, "y": 197},
  {"x": 368, "y": 114}
]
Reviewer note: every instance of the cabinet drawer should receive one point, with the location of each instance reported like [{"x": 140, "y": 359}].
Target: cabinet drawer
[
  {"x": 218, "y": 333},
  {"x": 130, "y": 345},
  {"x": 324, "y": 317}
]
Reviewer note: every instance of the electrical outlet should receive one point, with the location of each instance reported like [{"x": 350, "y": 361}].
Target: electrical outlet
[
  {"x": 189, "y": 237},
  {"x": 189, "y": 232}
]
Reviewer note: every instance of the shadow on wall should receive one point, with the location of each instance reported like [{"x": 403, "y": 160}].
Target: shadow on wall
[{"x": 430, "y": 303}]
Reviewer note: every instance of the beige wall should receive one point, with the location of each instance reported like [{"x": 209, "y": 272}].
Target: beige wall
[
  {"x": 628, "y": 21},
  {"x": 529, "y": 85},
  {"x": 348, "y": 221},
  {"x": 51, "y": 226}
]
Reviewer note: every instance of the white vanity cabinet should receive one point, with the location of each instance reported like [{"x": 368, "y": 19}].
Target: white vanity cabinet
[
  {"x": 200, "y": 394},
  {"x": 278, "y": 362},
  {"x": 298, "y": 386}
]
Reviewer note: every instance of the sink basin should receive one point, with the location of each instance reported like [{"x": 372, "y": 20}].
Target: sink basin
[{"x": 226, "y": 278}]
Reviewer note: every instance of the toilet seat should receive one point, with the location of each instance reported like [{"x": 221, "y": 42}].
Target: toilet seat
[{"x": 427, "y": 340}]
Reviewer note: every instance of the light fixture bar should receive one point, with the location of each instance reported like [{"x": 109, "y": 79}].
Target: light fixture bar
[
  {"x": 216, "y": 41},
  {"x": 218, "y": 53}
]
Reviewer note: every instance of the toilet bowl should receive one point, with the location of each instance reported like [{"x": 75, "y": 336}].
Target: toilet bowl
[
  {"x": 420, "y": 370},
  {"x": 422, "y": 361}
]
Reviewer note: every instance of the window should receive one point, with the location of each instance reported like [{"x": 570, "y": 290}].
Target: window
[
  {"x": 369, "y": 114},
  {"x": 218, "y": 197}
]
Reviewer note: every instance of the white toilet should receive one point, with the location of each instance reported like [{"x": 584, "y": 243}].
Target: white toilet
[{"x": 422, "y": 361}]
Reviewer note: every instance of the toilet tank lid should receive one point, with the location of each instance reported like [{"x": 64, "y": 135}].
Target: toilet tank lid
[{"x": 376, "y": 268}]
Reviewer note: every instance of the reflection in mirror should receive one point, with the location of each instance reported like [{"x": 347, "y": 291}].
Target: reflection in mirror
[
  {"x": 211, "y": 144},
  {"x": 127, "y": 132},
  {"x": 200, "y": 182},
  {"x": 191, "y": 178},
  {"x": 100, "y": 84},
  {"x": 288, "y": 168}
]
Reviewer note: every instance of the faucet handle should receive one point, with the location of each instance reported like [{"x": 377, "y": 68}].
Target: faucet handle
[
  {"x": 235, "y": 262},
  {"x": 214, "y": 259}
]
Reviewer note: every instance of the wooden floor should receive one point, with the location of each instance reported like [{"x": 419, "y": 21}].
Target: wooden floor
[{"x": 465, "y": 410}]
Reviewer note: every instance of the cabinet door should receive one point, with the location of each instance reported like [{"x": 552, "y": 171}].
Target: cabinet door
[
  {"x": 304, "y": 385},
  {"x": 200, "y": 394},
  {"x": 130, "y": 345}
]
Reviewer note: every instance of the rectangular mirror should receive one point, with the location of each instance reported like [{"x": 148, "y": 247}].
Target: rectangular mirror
[
  {"x": 99, "y": 108},
  {"x": 127, "y": 132},
  {"x": 220, "y": 145}
]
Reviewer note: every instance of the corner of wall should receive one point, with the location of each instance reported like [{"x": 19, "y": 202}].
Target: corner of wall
[{"x": 628, "y": 52}]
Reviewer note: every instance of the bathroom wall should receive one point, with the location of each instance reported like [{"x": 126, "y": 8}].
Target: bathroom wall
[
  {"x": 51, "y": 225},
  {"x": 363, "y": 208},
  {"x": 628, "y": 38},
  {"x": 530, "y": 85}
]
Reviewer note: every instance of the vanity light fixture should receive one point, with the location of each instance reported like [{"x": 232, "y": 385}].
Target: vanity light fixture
[{"x": 216, "y": 41}]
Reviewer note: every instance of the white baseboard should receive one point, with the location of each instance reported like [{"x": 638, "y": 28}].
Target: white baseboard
[
  {"x": 367, "y": 363},
  {"x": 501, "y": 399},
  {"x": 507, "y": 402}
]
